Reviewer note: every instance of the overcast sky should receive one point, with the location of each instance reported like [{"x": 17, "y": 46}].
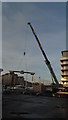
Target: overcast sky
[
  {"x": 0, "y": 35},
  {"x": 49, "y": 22},
  {"x": 34, "y": 0}
]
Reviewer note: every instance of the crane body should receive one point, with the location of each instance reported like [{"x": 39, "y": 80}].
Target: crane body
[{"x": 46, "y": 59}]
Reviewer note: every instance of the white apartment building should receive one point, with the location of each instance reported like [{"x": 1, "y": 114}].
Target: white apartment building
[{"x": 64, "y": 68}]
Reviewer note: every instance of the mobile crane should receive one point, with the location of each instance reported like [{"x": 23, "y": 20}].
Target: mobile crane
[{"x": 55, "y": 81}]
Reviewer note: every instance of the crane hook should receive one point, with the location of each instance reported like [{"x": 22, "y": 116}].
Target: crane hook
[{"x": 24, "y": 53}]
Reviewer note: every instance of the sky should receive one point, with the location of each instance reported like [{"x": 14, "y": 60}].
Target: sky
[
  {"x": 67, "y": 26},
  {"x": 49, "y": 22},
  {"x": 0, "y": 35},
  {"x": 34, "y": 0}
]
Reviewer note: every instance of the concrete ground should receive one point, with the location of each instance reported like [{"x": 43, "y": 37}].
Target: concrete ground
[{"x": 27, "y": 106}]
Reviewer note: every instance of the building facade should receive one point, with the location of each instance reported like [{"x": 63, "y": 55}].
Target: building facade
[
  {"x": 64, "y": 68},
  {"x": 39, "y": 87},
  {"x": 7, "y": 80}
]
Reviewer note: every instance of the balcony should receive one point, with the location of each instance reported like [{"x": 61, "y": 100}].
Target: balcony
[
  {"x": 64, "y": 63},
  {"x": 64, "y": 68},
  {"x": 65, "y": 73},
  {"x": 63, "y": 58},
  {"x": 64, "y": 79}
]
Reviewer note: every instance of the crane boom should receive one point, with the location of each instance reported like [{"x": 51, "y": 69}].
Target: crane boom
[{"x": 46, "y": 59}]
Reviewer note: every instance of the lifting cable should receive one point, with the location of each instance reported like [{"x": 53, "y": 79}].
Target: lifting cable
[
  {"x": 25, "y": 54},
  {"x": 24, "y": 50}
]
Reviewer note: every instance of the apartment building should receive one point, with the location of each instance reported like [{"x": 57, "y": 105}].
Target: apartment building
[{"x": 64, "y": 68}]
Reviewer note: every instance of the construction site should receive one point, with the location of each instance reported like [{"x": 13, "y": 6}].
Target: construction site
[{"x": 31, "y": 99}]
